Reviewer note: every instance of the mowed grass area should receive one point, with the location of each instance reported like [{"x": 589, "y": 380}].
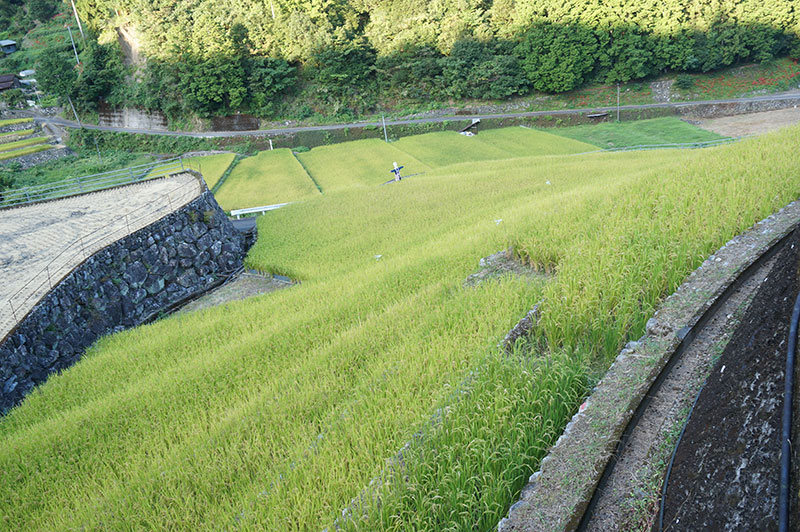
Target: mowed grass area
[
  {"x": 274, "y": 413},
  {"x": 210, "y": 166},
  {"x": 527, "y": 142},
  {"x": 361, "y": 162},
  {"x": 270, "y": 177},
  {"x": 667, "y": 130}
]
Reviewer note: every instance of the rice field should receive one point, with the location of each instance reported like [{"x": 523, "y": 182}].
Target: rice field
[
  {"x": 281, "y": 411},
  {"x": 22, "y": 133},
  {"x": 12, "y": 154},
  {"x": 14, "y": 121},
  {"x": 361, "y": 162},
  {"x": 210, "y": 166},
  {"x": 8, "y": 146},
  {"x": 448, "y": 147},
  {"x": 265, "y": 179},
  {"x": 666, "y": 130}
]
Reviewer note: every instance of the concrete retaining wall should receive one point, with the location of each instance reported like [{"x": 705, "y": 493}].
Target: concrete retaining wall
[{"x": 123, "y": 285}]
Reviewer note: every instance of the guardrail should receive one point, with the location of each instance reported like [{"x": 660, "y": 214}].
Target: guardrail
[
  {"x": 80, "y": 249},
  {"x": 90, "y": 183},
  {"x": 254, "y": 210}
]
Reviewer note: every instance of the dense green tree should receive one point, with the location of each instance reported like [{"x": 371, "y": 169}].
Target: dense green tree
[
  {"x": 56, "y": 74},
  {"x": 41, "y": 10},
  {"x": 558, "y": 58}
]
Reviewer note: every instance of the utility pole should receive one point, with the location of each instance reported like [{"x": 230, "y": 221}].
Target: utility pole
[
  {"x": 74, "y": 10},
  {"x": 385, "y": 136},
  {"x": 77, "y": 61}
]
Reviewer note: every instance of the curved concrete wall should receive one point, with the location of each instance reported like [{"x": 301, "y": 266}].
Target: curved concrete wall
[{"x": 123, "y": 285}]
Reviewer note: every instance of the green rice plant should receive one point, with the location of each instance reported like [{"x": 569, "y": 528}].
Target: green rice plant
[
  {"x": 270, "y": 177},
  {"x": 448, "y": 147},
  {"x": 277, "y": 412},
  {"x": 23, "y": 133},
  {"x": 210, "y": 166},
  {"x": 667, "y": 130},
  {"x": 5, "y": 155},
  {"x": 22, "y": 143},
  {"x": 358, "y": 163},
  {"x": 14, "y": 121}
]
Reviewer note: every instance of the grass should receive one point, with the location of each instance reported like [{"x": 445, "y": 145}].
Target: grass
[
  {"x": 23, "y": 133},
  {"x": 22, "y": 143},
  {"x": 276, "y": 412},
  {"x": 211, "y": 166},
  {"x": 777, "y": 75},
  {"x": 15, "y": 121},
  {"x": 5, "y": 155},
  {"x": 447, "y": 147},
  {"x": 526, "y": 142},
  {"x": 270, "y": 177},
  {"x": 665, "y": 130},
  {"x": 361, "y": 162},
  {"x": 76, "y": 166}
]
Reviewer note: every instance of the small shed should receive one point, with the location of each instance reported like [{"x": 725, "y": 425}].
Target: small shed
[
  {"x": 9, "y": 81},
  {"x": 8, "y": 46}
]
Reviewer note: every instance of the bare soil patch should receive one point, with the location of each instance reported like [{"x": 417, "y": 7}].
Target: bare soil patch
[
  {"x": 752, "y": 123},
  {"x": 726, "y": 473}
]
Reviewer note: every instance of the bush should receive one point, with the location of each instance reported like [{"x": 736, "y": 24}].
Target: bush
[
  {"x": 684, "y": 82},
  {"x": 558, "y": 58}
]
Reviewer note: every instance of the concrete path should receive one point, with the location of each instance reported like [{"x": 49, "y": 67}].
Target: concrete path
[{"x": 41, "y": 243}]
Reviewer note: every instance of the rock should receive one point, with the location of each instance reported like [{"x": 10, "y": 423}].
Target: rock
[{"x": 135, "y": 274}]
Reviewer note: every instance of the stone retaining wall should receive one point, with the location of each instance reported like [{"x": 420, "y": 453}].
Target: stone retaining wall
[{"x": 123, "y": 285}]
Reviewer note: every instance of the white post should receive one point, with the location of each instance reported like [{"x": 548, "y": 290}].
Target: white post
[
  {"x": 74, "y": 10},
  {"x": 73, "y": 111},
  {"x": 617, "y": 102},
  {"x": 385, "y": 136},
  {"x": 270, "y": 144},
  {"x": 77, "y": 61}
]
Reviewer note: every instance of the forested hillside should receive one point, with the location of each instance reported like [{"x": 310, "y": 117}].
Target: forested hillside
[{"x": 210, "y": 57}]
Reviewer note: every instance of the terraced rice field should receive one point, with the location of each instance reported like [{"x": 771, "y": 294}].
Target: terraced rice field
[
  {"x": 280, "y": 411},
  {"x": 270, "y": 177},
  {"x": 362, "y": 162},
  {"x": 210, "y": 166}
]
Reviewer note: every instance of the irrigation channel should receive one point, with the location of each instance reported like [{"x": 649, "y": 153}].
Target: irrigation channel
[{"x": 729, "y": 373}]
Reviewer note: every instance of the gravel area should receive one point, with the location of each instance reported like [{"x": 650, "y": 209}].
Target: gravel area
[{"x": 751, "y": 124}]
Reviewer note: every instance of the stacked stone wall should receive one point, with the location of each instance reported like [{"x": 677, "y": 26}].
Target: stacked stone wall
[{"x": 123, "y": 285}]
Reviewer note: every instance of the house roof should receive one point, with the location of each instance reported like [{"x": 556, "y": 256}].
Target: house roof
[
  {"x": 7, "y": 42},
  {"x": 8, "y": 81}
]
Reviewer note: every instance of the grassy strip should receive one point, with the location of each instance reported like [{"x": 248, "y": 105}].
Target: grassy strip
[
  {"x": 230, "y": 417},
  {"x": 22, "y": 143},
  {"x": 665, "y": 130},
  {"x": 5, "y": 155},
  {"x": 14, "y": 121},
  {"x": 22, "y": 133}
]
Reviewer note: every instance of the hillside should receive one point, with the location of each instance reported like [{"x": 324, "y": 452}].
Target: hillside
[
  {"x": 346, "y": 58},
  {"x": 278, "y": 412}
]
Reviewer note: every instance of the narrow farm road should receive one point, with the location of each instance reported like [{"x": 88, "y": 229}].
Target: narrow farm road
[{"x": 791, "y": 95}]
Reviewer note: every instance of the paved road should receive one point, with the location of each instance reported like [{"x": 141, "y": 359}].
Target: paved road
[{"x": 793, "y": 95}]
